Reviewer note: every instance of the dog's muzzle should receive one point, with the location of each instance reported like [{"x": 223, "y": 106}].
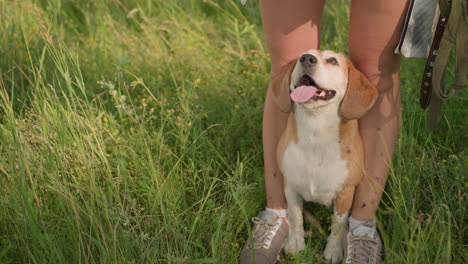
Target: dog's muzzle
[{"x": 306, "y": 89}]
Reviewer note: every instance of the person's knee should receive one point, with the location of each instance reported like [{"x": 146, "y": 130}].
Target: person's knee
[
  {"x": 282, "y": 64},
  {"x": 385, "y": 78}
]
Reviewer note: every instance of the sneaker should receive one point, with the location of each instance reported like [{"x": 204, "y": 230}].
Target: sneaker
[
  {"x": 269, "y": 233},
  {"x": 360, "y": 248}
]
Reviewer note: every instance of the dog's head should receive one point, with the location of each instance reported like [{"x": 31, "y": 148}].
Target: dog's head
[{"x": 320, "y": 78}]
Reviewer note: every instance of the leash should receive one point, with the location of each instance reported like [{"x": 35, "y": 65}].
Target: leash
[{"x": 452, "y": 28}]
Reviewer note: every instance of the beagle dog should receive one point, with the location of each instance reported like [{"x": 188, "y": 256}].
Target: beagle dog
[{"x": 320, "y": 153}]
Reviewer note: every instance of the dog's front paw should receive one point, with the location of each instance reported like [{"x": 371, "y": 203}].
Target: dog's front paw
[
  {"x": 294, "y": 244},
  {"x": 334, "y": 251}
]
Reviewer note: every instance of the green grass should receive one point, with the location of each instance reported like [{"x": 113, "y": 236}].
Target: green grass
[{"x": 130, "y": 132}]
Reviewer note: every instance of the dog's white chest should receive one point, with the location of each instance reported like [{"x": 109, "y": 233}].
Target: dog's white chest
[{"x": 313, "y": 167}]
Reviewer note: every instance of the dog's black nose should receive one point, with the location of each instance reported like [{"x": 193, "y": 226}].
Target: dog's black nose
[{"x": 307, "y": 60}]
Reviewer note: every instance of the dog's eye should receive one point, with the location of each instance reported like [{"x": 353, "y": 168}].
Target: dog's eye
[{"x": 332, "y": 61}]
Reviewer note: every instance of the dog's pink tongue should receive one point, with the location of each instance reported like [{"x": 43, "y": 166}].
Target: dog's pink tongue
[{"x": 303, "y": 93}]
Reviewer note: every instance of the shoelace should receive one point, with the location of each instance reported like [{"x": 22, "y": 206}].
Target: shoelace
[
  {"x": 262, "y": 233},
  {"x": 362, "y": 250}
]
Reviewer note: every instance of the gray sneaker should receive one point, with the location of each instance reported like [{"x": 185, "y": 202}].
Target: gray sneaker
[
  {"x": 269, "y": 233},
  {"x": 360, "y": 248}
]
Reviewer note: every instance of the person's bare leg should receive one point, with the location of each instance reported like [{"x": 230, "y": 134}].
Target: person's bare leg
[
  {"x": 291, "y": 27},
  {"x": 375, "y": 27}
]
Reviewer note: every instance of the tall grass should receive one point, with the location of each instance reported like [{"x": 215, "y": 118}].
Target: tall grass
[{"x": 130, "y": 132}]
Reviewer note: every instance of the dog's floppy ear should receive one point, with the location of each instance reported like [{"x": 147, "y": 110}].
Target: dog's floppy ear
[
  {"x": 360, "y": 95},
  {"x": 280, "y": 87}
]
